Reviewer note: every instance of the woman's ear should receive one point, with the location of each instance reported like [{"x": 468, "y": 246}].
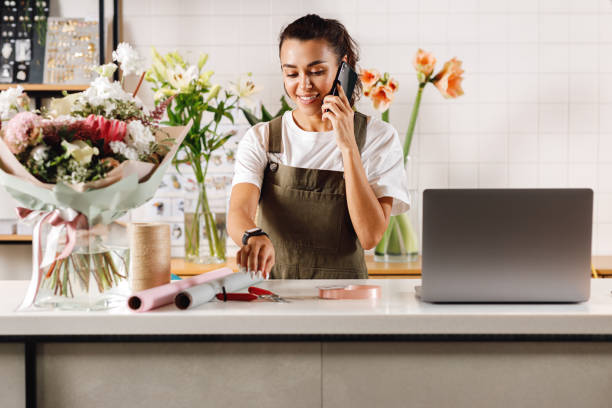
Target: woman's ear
[{"x": 345, "y": 58}]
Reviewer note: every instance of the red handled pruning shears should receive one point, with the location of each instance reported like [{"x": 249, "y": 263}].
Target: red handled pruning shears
[{"x": 254, "y": 293}]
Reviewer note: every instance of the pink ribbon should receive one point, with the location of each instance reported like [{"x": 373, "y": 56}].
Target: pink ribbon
[{"x": 55, "y": 219}]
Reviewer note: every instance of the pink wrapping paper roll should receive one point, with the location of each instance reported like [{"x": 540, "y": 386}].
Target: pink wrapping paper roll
[{"x": 162, "y": 295}]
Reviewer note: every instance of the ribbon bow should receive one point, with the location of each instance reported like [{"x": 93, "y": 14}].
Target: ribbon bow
[{"x": 59, "y": 220}]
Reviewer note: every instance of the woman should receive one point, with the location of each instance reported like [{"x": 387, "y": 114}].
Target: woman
[{"x": 326, "y": 178}]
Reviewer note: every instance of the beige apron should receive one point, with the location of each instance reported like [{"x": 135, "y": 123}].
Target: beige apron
[{"x": 305, "y": 213}]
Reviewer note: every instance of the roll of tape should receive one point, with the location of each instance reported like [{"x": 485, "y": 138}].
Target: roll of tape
[
  {"x": 149, "y": 255},
  {"x": 349, "y": 292}
]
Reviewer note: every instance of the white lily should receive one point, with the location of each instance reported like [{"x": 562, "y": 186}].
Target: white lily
[
  {"x": 106, "y": 70},
  {"x": 244, "y": 88},
  {"x": 181, "y": 78},
  {"x": 80, "y": 151}
]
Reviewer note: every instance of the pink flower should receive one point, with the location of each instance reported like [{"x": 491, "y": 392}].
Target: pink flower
[
  {"x": 424, "y": 63},
  {"x": 448, "y": 81},
  {"x": 23, "y": 130},
  {"x": 109, "y": 130}
]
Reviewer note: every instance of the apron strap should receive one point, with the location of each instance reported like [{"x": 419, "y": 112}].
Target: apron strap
[
  {"x": 360, "y": 124},
  {"x": 275, "y": 129},
  {"x": 275, "y": 137}
]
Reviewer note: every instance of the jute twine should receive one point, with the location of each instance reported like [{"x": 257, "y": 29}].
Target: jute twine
[{"x": 149, "y": 255}]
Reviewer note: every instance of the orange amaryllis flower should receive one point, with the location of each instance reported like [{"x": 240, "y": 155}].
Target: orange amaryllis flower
[
  {"x": 448, "y": 81},
  {"x": 382, "y": 96},
  {"x": 368, "y": 79},
  {"x": 393, "y": 84},
  {"x": 424, "y": 63}
]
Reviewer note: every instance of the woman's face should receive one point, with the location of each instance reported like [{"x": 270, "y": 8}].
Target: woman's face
[{"x": 309, "y": 69}]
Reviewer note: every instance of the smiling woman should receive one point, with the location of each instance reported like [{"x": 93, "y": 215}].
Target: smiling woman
[{"x": 322, "y": 180}]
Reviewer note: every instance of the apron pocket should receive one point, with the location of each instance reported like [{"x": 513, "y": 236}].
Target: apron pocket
[
  {"x": 330, "y": 273},
  {"x": 303, "y": 219}
]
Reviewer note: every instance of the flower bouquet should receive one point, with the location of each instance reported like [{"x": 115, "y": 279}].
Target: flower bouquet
[
  {"x": 399, "y": 243},
  {"x": 74, "y": 170}
]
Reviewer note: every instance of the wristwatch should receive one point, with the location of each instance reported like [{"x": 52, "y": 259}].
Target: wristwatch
[{"x": 253, "y": 232}]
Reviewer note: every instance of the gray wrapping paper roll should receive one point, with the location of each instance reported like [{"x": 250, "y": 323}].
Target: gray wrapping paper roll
[{"x": 200, "y": 294}]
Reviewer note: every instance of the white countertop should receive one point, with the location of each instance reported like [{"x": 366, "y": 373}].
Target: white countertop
[{"x": 396, "y": 312}]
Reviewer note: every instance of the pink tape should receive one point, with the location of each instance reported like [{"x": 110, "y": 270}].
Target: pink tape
[
  {"x": 350, "y": 292},
  {"x": 162, "y": 295}
]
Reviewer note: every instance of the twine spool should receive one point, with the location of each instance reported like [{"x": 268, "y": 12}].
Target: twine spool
[{"x": 149, "y": 255}]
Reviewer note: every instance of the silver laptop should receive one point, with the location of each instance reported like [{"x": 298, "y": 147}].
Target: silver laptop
[{"x": 506, "y": 245}]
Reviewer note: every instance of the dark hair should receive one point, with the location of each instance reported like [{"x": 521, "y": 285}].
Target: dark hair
[{"x": 312, "y": 27}]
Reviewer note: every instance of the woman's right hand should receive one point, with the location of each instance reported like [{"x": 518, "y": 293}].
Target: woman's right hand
[{"x": 257, "y": 256}]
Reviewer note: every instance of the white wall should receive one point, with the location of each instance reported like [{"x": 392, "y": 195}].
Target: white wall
[{"x": 537, "y": 109}]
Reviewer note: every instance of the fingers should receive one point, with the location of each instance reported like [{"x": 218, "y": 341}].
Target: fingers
[
  {"x": 333, "y": 105},
  {"x": 257, "y": 257},
  {"x": 336, "y": 101},
  {"x": 252, "y": 263},
  {"x": 269, "y": 264},
  {"x": 242, "y": 257}
]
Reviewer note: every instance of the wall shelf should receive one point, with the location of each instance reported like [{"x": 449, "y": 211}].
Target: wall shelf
[
  {"x": 46, "y": 87},
  {"x": 15, "y": 238}
]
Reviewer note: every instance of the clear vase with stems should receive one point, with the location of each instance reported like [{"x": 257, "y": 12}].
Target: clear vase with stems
[
  {"x": 205, "y": 234},
  {"x": 95, "y": 276},
  {"x": 399, "y": 242}
]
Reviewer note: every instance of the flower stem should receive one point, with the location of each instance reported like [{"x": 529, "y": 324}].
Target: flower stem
[{"x": 413, "y": 118}]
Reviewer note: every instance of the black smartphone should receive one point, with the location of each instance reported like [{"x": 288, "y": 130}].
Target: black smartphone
[{"x": 346, "y": 77}]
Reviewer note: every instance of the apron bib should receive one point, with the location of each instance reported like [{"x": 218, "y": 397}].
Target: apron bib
[{"x": 305, "y": 213}]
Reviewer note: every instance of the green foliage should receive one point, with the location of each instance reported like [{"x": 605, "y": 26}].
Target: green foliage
[
  {"x": 195, "y": 100},
  {"x": 265, "y": 115},
  {"x": 124, "y": 110}
]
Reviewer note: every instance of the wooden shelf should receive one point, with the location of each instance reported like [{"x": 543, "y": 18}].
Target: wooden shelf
[
  {"x": 46, "y": 87},
  {"x": 387, "y": 270},
  {"x": 14, "y": 238},
  {"x": 375, "y": 269}
]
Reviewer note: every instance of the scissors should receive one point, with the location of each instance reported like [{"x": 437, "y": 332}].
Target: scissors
[{"x": 254, "y": 293}]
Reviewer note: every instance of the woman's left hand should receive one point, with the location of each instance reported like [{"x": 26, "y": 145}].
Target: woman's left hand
[{"x": 340, "y": 115}]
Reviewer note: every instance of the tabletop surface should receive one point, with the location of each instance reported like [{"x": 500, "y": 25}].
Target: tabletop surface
[{"x": 396, "y": 312}]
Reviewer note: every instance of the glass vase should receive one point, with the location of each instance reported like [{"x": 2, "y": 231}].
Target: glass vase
[
  {"x": 400, "y": 243},
  {"x": 205, "y": 230},
  {"x": 95, "y": 276}
]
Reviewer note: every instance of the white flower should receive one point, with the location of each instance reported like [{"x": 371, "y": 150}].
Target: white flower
[
  {"x": 100, "y": 93},
  {"x": 244, "y": 88},
  {"x": 139, "y": 137},
  {"x": 181, "y": 78},
  {"x": 128, "y": 58},
  {"x": 72, "y": 173},
  {"x": 39, "y": 153},
  {"x": 13, "y": 101},
  {"x": 106, "y": 70},
  {"x": 123, "y": 149},
  {"x": 80, "y": 151}
]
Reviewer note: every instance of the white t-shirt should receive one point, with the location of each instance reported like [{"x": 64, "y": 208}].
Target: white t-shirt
[{"x": 381, "y": 156}]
